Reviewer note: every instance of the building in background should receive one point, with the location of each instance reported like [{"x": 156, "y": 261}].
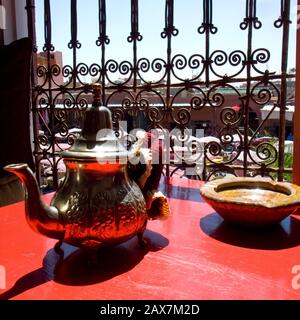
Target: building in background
[{"x": 56, "y": 58}]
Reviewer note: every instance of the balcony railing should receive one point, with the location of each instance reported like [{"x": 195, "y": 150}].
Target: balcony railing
[{"x": 226, "y": 106}]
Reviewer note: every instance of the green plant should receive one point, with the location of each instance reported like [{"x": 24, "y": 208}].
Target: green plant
[{"x": 288, "y": 163}]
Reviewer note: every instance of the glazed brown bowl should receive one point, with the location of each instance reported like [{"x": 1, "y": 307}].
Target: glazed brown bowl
[{"x": 251, "y": 201}]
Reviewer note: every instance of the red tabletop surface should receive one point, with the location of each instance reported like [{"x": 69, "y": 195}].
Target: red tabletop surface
[{"x": 192, "y": 255}]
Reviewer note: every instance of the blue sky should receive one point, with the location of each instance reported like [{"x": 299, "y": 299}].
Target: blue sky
[{"x": 227, "y": 16}]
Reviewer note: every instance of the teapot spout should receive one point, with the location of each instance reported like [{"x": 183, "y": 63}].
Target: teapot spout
[{"x": 41, "y": 217}]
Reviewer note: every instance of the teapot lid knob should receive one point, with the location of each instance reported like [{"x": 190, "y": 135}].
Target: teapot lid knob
[
  {"x": 97, "y": 93},
  {"x": 95, "y": 142},
  {"x": 97, "y": 117}
]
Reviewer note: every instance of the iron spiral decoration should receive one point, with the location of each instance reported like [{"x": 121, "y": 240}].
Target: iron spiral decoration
[{"x": 168, "y": 91}]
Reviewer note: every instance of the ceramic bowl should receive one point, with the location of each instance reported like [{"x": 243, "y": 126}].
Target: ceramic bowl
[{"x": 252, "y": 201}]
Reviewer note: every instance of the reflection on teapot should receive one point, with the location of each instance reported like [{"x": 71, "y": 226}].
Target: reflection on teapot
[{"x": 97, "y": 203}]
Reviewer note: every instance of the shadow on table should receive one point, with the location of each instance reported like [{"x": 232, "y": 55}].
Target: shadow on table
[
  {"x": 73, "y": 266},
  {"x": 280, "y": 236},
  {"x": 77, "y": 269}
]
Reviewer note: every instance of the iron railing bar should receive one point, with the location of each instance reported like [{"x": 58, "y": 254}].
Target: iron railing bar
[
  {"x": 103, "y": 40},
  {"x": 250, "y": 168},
  {"x": 284, "y": 61},
  {"x": 207, "y": 38},
  {"x": 169, "y": 27},
  {"x": 168, "y": 84},
  {"x": 74, "y": 42},
  {"x": 134, "y": 34},
  {"x": 30, "y": 8},
  {"x": 245, "y": 146},
  {"x": 193, "y": 83},
  {"x": 48, "y": 47},
  {"x": 169, "y": 11}
]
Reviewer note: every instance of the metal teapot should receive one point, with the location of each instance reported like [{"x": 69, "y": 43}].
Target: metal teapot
[{"x": 97, "y": 203}]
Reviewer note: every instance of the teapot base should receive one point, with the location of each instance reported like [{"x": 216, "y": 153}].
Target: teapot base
[{"x": 95, "y": 244}]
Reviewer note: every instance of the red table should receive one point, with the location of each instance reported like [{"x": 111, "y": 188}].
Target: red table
[{"x": 193, "y": 255}]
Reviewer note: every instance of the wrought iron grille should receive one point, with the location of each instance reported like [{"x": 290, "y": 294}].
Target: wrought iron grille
[{"x": 56, "y": 105}]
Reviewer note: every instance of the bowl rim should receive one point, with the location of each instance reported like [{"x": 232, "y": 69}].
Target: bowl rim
[{"x": 211, "y": 189}]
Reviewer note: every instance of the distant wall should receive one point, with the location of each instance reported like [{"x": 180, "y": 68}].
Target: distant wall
[{"x": 16, "y": 20}]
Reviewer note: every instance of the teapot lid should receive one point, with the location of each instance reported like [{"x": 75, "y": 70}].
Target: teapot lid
[{"x": 97, "y": 140}]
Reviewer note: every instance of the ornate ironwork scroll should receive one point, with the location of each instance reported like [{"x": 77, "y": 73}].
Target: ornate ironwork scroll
[{"x": 171, "y": 100}]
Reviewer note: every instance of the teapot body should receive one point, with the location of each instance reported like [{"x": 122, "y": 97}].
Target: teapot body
[{"x": 99, "y": 205}]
